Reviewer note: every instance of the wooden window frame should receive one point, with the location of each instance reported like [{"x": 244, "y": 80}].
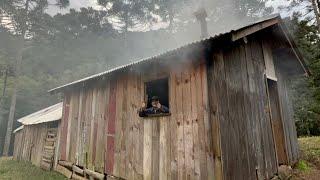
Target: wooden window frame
[{"x": 156, "y": 77}]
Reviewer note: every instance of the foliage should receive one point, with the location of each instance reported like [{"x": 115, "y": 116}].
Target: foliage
[
  {"x": 10, "y": 169},
  {"x": 306, "y": 90}
]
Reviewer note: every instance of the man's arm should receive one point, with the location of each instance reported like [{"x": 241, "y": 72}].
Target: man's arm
[{"x": 164, "y": 109}]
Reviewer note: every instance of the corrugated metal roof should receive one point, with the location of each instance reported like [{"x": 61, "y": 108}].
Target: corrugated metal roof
[
  {"x": 49, "y": 114},
  {"x": 18, "y": 129},
  {"x": 274, "y": 16}
]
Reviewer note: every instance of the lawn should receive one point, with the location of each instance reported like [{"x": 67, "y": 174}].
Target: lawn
[
  {"x": 13, "y": 170},
  {"x": 308, "y": 167}
]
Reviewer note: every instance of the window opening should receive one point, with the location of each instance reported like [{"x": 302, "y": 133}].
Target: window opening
[{"x": 156, "y": 98}]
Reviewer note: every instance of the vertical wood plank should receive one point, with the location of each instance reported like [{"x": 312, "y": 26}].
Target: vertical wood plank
[
  {"x": 215, "y": 87},
  {"x": 118, "y": 127},
  {"x": 180, "y": 128},
  {"x": 173, "y": 126},
  {"x": 147, "y": 150},
  {"x": 195, "y": 124},
  {"x": 140, "y": 125},
  {"x": 73, "y": 127},
  {"x": 163, "y": 171},
  {"x": 79, "y": 129},
  {"x": 155, "y": 148},
  {"x": 246, "y": 124},
  {"x": 207, "y": 122},
  {"x": 201, "y": 124},
  {"x": 111, "y": 127},
  {"x": 124, "y": 130},
  {"x": 64, "y": 128},
  {"x": 187, "y": 128}
]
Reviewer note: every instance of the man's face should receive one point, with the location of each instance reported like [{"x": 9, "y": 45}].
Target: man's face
[{"x": 154, "y": 103}]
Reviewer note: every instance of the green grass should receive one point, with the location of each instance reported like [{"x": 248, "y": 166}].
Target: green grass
[
  {"x": 13, "y": 170},
  {"x": 303, "y": 166},
  {"x": 310, "y": 149},
  {"x": 308, "y": 168}
]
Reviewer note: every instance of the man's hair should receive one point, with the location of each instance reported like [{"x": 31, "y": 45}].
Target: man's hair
[{"x": 155, "y": 98}]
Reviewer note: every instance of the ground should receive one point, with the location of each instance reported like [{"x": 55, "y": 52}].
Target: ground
[
  {"x": 308, "y": 168},
  {"x": 13, "y": 170}
]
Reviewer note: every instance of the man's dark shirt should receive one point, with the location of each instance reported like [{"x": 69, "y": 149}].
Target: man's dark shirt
[{"x": 153, "y": 110}]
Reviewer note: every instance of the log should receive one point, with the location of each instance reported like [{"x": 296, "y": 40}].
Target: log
[
  {"x": 77, "y": 177},
  {"x": 47, "y": 155},
  {"x": 49, "y": 147},
  {"x": 94, "y": 174},
  {"x": 49, "y": 143},
  {"x": 66, "y": 164},
  {"x": 51, "y": 139},
  {"x": 64, "y": 171},
  {"x": 46, "y": 160},
  {"x": 77, "y": 170},
  {"x": 51, "y": 134}
]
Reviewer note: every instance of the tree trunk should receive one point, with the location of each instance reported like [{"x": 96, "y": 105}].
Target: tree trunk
[
  {"x": 171, "y": 19},
  {"x": 4, "y": 85},
  {"x": 7, "y": 140},
  {"x": 1, "y": 99},
  {"x": 316, "y": 9}
]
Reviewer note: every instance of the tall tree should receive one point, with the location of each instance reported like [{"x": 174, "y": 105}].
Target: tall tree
[
  {"x": 316, "y": 10},
  {"x": 306, "y": 90},
  {"x": 128, "y": 13},
  {"x": 309, "y": 6},
  {"x": 16, "y": 17}
]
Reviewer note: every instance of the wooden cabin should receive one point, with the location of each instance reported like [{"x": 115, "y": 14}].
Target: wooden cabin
[
  {"x": 35, "y": 141},
  {"x": 230, "y": 110}
]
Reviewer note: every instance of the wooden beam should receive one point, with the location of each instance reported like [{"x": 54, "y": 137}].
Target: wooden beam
[
  {"x": 77, "y": 170},
  {"x": 66, "y": 172},
  {"x": 66, "y": 164},
  {"x": 254, "y": 28},
  {"x": 49, "y": 147},
  {"x": 94, "y": 174},
  {"x": 77, "y": 177}
]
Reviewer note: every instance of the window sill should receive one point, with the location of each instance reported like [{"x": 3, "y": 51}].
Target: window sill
[{"x": 157, "y": 115}]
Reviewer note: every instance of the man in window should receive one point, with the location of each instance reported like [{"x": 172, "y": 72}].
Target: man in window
[{"x": 156, "y": 108}]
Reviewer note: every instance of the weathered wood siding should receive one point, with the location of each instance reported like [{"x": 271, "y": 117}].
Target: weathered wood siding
[
  {"x": 287, "y": 66},
  {"x": 220, "y": 125},
  {"x": 29, "y": 143},
  {"x": 102, "y": 131},
  {"x": 239, "y": 111},
  {"x": 18, "y": 144},
  {"x": 291, "y": 139}
]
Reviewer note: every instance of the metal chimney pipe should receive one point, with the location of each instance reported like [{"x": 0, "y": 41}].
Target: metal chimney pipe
[{"x": 201, "y": 16}]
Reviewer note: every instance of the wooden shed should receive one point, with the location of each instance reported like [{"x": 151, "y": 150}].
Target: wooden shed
[
  {"x": 230, "y": 111},
  {"x": 36, "y": 139}
]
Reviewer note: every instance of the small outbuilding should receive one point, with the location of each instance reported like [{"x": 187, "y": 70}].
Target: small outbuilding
[
  {"x": 36, "y": 140},
  {"x": 230, "y": 114}
]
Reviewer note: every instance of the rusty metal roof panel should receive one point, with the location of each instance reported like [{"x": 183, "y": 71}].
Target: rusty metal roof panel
[
  {"x": 49, "y": 114},
  {"x": 275, "y": 16}
]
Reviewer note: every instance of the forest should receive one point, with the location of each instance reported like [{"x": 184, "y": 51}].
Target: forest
[{"x": 47, "y": 43}]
